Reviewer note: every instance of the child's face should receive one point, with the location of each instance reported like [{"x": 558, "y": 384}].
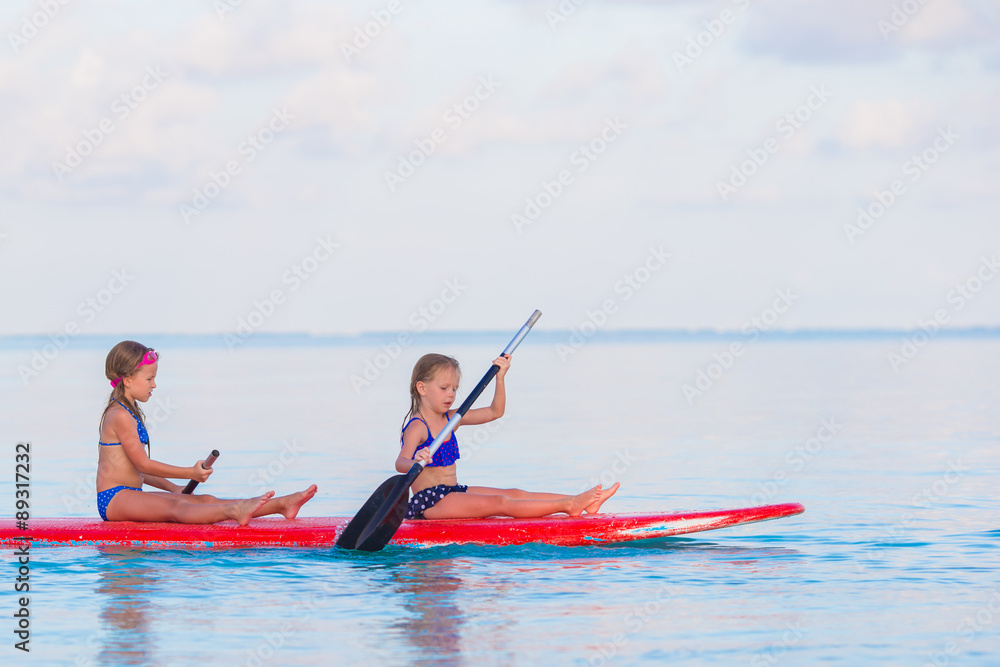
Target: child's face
[
  {"x": 438, "y": 394},
  {"x": 140, "y": 385}
]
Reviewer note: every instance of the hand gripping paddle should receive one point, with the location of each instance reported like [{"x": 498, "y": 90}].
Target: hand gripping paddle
[
  {"x": 377, "y": 521},
  {"x": 206, "y": 465}
]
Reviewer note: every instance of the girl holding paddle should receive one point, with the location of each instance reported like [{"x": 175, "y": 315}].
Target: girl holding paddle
[
  {"x": 124, "y": 464},
  {"x": 437, "y": 493}
]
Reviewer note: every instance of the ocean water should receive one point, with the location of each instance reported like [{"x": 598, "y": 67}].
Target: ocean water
[{"x": 894, "y": 562}]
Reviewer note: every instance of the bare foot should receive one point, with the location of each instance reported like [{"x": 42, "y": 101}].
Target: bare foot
[
  {"x": 604, "y": 495},
  {"x": 290, "y": 505},
  {"x": 586, "y": 499},
  {"x": 243, "y": 511}
]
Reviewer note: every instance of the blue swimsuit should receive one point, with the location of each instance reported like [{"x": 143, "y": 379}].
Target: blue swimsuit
[
  {"x": 446, "y": 454},
  {"x": 429, "y": 497},
  {"x": 104, "y": 497}
]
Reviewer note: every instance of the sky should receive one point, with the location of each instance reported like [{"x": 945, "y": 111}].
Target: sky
[{"x": 340, "y": 167}]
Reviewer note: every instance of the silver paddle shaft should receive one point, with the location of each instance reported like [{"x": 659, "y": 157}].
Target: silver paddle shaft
[{"x": 457, "y": 417}]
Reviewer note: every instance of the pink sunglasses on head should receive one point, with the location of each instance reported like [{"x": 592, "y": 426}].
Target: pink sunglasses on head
[{"x": 147, "y": 359}]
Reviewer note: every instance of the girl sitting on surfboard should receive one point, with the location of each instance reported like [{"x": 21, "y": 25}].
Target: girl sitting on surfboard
[
  {"x": 124, "y": 464},
  {"x": 437, "y": 493}
]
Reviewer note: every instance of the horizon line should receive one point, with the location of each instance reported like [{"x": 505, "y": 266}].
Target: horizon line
[{"x": 376, "y": 335}]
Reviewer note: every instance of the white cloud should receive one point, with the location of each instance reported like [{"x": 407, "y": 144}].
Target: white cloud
[
  {"x": 89, "y": 70},
  {"x": 866, "y": 30},
  {"x": 191, "y": 122},
  {"x": 261, "y": 39},
  {"x": 334, "y": 108},
  {"x": 950, "y": 24},
  {"x": 818, "y": 30},
  {"x": 573, "y": 103},
  {"x": 889, "y": 123}
]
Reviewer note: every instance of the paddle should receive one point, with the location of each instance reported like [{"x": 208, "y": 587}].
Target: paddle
[
  {"x": 379, "y": 518},
  {"x": 206, "y": 464}
]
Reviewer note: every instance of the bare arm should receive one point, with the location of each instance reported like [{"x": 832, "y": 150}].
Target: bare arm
[
  {"x": 162, "y": 483},
  {"x": 124, "y": 426},
  {"x": 499, "y": 404},
  {"x": 412, "y": 438}
]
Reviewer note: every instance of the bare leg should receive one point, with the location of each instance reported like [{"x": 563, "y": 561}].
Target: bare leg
[
  {"x": 288, "y": 506},
  {"x": 517, "y": 494},
  {"x": 242, "y": 512},
  {"x": 203, "y": 498},
  {"x": 474, "y": 505},
  {"x": 130, "y": 505}
]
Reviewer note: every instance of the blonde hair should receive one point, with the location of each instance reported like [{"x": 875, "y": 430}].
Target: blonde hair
[
  {"x": 425, "y": 369},
  {"x": 122, "y": 362}
]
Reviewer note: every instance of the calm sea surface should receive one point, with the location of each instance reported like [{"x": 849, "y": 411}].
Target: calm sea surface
[{"x": 895, "y": 560}]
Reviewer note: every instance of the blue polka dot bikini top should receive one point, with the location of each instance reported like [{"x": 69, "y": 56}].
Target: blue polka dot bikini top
[
  {"x": 446, "y": 454},
  {"x": 143, "y": 435}
]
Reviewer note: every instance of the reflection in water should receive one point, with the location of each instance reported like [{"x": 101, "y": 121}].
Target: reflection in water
[
  {"x": 433, "y": 624},
  {"x": 125, "y": 588},
  {"x": 457, "y": 610}
]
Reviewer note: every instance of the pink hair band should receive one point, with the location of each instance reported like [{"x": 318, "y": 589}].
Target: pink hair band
[{"x": 147, "y": 359}]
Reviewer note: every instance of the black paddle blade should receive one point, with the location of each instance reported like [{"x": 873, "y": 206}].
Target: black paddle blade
[
  {"x": 351, "y": 538},
  {"x": 386, "y": 522}
]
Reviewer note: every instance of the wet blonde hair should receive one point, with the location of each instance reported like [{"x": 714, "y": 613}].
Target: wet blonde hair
[
  {"x": 425, "y": 369},
  {"x": 122, "y": 362}
]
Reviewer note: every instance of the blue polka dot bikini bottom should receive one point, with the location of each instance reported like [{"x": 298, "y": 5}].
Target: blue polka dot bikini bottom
[
  {"x": 104, "y": 497},
  {"x": 429, "y": 497}
]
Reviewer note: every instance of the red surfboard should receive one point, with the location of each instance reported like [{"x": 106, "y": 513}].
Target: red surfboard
[{"x": 323, "y": 531}]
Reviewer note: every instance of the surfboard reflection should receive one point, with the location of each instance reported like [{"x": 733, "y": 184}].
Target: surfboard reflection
[
  {"x": 432, "y": 621},
  {"x": 126, "y": 586}
]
